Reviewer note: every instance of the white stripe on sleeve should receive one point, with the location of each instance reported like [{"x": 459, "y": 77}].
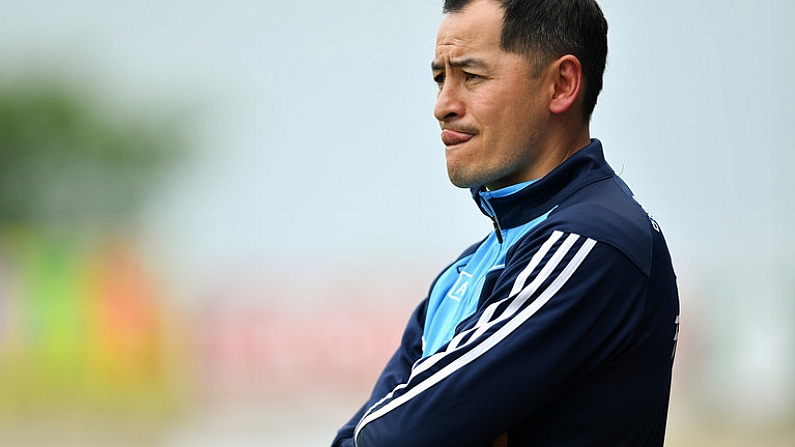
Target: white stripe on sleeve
[{"x": 500, "y": 334}]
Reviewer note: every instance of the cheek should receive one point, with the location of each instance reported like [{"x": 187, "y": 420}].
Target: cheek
[
  {"x": 514, "y": 123},
  {"x": 524, "y": 117}
]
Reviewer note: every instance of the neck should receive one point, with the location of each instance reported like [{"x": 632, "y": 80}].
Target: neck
[
  {"x": 562, "y": 145},
  {"x": 575, "y": 142}
]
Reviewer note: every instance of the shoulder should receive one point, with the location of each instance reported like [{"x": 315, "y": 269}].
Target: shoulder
[{"x": 606, "y": 212}]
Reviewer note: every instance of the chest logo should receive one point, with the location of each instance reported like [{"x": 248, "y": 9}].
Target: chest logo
[{"x": 459, "y": 289}]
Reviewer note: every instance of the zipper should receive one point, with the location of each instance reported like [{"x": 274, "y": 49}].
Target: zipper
[{"x": 486, "y": 206}]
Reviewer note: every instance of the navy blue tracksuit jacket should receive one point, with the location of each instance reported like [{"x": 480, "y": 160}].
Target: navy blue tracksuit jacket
[{"x": 558, "y": 329}]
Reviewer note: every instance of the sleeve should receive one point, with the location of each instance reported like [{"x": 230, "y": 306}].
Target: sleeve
[
  {"x": 563, "y": 305},
  {"x": 395, "y": 372}
]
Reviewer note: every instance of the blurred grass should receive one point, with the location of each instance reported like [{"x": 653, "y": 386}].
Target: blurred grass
[{"x": 732, "y": 435}]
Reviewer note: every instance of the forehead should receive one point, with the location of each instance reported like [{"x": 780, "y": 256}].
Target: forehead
[{"x": 477, "y": 27}]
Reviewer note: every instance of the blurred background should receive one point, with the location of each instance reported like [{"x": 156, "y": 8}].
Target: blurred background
[{"x": 216, "y": 217}]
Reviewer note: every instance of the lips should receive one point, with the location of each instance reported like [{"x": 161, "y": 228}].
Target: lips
[{"x": 453, "y": 137}]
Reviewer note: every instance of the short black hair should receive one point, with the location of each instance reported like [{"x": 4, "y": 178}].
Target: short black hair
[{"x": 544, "y": 30}]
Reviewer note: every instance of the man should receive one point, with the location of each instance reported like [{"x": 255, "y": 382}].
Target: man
[{"x": 559, "y": 328}]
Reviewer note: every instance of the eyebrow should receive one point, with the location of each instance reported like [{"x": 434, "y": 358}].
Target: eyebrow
[{"x": 460, "y": 63}]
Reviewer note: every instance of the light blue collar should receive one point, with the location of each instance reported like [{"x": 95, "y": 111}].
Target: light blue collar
[{"x": 508, "y": 190}]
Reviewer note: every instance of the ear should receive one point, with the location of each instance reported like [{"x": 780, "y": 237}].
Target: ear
[{"x": 568, "y": 81}]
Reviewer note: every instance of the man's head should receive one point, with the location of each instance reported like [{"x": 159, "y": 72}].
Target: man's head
[
  {"x": 511, "y": 102},
  {"x": 543, "y": 30}
]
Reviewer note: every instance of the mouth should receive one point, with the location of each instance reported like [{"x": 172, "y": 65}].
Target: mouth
[{"x": 453, "y": 137}]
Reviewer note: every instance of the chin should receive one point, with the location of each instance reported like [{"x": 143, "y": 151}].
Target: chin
[
  {"x": 461, "y": 185},
  {"x": 462, "y": 182}
]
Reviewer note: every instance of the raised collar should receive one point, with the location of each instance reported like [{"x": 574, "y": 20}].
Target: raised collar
[{"x": 586, "y": 166}]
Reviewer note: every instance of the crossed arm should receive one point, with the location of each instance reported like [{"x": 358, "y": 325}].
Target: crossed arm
[{"x": 553, "y": 315}]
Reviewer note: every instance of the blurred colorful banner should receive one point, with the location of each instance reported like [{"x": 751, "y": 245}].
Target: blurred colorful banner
[{"x": 83, "y": 328}]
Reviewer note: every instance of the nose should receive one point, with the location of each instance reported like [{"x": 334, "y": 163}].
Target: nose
[{"x": 449, "y": 103}]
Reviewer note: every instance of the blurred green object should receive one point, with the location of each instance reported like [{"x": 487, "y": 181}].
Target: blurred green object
[
  {"x": 84, "y": 327},
  {"x": 62, "y": 155}
]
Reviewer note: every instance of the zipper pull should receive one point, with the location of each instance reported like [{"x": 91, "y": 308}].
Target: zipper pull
[
  {"x": 497, "y": 229},
  {"x": 485, "y": 206}
]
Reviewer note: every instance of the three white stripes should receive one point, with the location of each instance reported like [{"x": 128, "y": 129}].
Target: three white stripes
[{"x": 522, "y": 293}]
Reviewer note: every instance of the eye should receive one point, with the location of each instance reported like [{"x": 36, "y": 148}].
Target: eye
[
  {"x": 471, "y": 76},
  {"x": 439, "y": 79}
]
